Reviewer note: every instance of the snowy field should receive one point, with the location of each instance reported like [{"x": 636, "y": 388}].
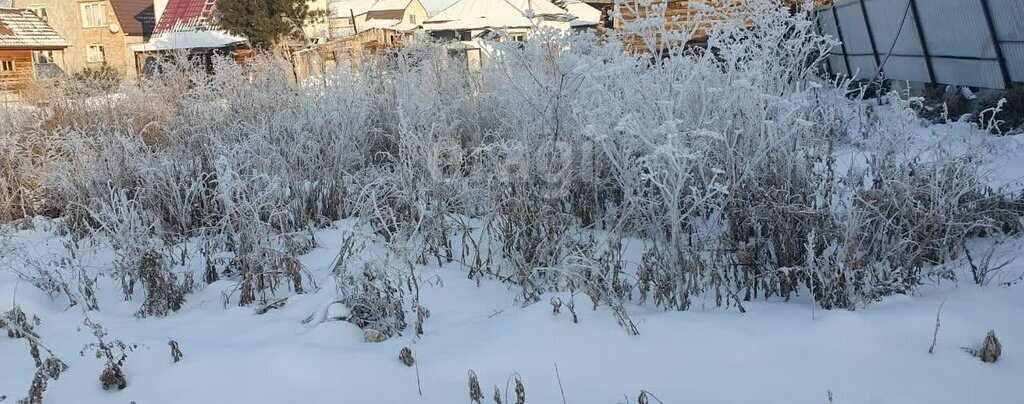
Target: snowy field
[
  {"x": 776, "y": 352},
  {"x": 571, "y": 223}
]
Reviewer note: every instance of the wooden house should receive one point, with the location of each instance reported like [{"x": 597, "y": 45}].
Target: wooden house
[
  {"x": 101, "y": 32},
  {"x": 350, "y": 17},
  {"x": 347, "y": 52},
  {"x": 23, "y": 35}
]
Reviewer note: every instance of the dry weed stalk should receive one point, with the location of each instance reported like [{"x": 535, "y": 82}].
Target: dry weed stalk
[
  {"x": 475, "y": 394},
  {"x": 556, "y": 305},
  {"x": 990, "y": 351},
  {"x": 520, "y": 391},
  {"x": 405, "y": 355},
  {"x": 176, "y": 354},
  {"x": 935, "y": 335}
]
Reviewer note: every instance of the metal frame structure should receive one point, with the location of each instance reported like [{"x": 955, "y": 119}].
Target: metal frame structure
[{"x": 929, "y": 56}]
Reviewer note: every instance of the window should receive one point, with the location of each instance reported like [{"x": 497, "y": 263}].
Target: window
[
  {"x": 94, "y": 15},
  {"x": 43, "y": 57},
  {"x": 412, "y": 19},
  {"x": 94, "y": 53},
  {"x": 40, "y": 12},
  {"x": 6, "y": 65},
  {"x": 519, "y": 37}
]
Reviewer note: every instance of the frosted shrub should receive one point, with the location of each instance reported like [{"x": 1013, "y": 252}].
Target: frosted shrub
[
  {"x": 113, "y": 351},
  {"x": 48, "y": 368},
  {"x": 721, "y": 161},
  {"x": 375, "y": 299},
  {"x": 140, "y": 254}
]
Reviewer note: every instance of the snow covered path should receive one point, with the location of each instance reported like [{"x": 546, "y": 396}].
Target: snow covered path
[{"x": 787, "y": 352}]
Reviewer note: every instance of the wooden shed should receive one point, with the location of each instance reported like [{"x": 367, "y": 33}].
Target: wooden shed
[
  {"x": 22, "y": 33},
  {"x": 347, "y": 52}
]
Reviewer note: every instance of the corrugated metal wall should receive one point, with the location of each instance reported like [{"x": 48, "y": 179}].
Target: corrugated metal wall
[{"x": 962, "y": 42}]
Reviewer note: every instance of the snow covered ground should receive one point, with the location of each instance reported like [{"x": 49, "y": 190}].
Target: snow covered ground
[{"x": 777, "y": 352}]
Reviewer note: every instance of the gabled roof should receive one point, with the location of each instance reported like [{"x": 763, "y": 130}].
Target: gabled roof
[
  {"x": 22, "y": 29},
  {"x": 345, "y": 8},
  {"x": 186, "y": 15},
  {"x": 476, "y": 14},
  {"x": 137, "y": 17},
  {"x": 187, "y": 24}
]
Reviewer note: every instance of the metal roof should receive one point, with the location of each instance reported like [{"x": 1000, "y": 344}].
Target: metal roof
[
  {"x": 186, "y": 15},
  {"x": 22, "y": 29}
]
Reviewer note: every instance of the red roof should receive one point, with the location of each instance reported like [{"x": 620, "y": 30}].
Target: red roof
[
  {"x": 22, "y": 29},
  {"x": 185, "y": 15}
]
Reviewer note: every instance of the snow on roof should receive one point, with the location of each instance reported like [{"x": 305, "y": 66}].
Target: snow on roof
[
  {"x": 585, "y": 14},
  {"x": 382, "y": 5},
  {"x": 188, "y": 40},
  {"x": 474, "y": 14},
  {"x": 187, "y": 24},
  {"x": 22, "y": 29}
]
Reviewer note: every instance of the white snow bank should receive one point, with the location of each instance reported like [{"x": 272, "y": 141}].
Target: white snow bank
[{"x": 778, "y": 352}]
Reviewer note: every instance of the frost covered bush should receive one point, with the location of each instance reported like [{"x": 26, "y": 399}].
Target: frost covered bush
[
  {"x": 375, "y": 298},
  {"x": 722, "y": 162},
  {"x": 114, "y": 352}
]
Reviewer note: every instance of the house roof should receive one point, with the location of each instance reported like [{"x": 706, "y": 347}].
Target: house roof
[
  {"x": 136, "y": 17},
  {"x": 585, "y": 14},
  {"x": 475, "y": 14},
  {"x": 186, "y": 24},
  {"x": 344, "y": 8},
  {"x": 385, "y": 14},
  {"x": 185, "y": 15},
  {"x": 22, "y": 29}
]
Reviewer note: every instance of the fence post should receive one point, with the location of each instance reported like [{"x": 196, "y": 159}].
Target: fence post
[
  {"x": 842, "y": 41},
  {"x": 870, "y": 37},
  {"x": 995, "y": 43},
  {"x": 924, "y": 44}
]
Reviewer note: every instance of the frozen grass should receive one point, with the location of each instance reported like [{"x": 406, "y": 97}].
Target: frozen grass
[
  {"x": 624, "y": 186},
  {"x": 776, "y": 352}
]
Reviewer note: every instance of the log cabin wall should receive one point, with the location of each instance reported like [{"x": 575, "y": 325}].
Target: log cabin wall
[
  {"x": 17, "y": 70},
  {"x": 681, "y": 16}
]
